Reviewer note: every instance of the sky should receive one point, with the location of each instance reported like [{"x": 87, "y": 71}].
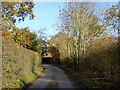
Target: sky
[{"x": 46, "y": 16}]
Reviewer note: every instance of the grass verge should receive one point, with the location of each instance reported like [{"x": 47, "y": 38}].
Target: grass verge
[{"x": 26, "y": 81}]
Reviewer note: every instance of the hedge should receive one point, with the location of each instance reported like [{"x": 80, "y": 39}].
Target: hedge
[{"x": 18, "y": 63}]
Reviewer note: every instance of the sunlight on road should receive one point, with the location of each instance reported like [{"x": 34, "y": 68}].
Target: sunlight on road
[{"x": 54, "y": 77}]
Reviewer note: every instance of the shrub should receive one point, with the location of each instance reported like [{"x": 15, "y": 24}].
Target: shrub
[{"x": 18, "y": 63}]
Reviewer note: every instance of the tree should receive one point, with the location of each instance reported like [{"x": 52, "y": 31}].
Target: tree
[
  {"x": 83, "y": 43},
  {"x": 13, "y": 12},
  {"x": 112, "y": 18},
  {"x": 80, "y": 22},
  {"x": 55, "y": 53}
]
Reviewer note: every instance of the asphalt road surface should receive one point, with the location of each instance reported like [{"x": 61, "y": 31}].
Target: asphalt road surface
[{"x": 53, "y": 77}]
